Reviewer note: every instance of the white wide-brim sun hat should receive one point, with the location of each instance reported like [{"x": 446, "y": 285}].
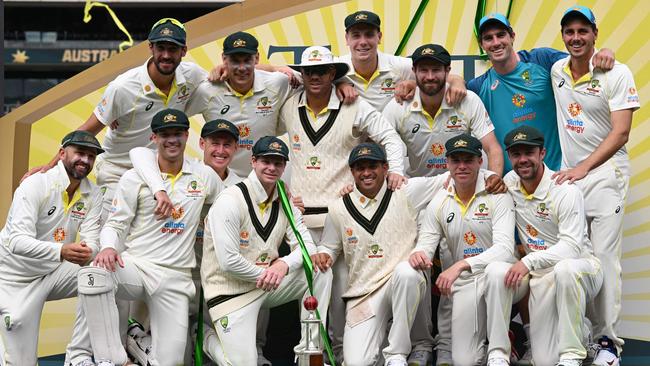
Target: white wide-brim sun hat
[{"x": 317, "y": 56}]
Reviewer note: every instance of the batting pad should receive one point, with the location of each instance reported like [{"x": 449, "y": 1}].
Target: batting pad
[{"x": 97, "y": 296}]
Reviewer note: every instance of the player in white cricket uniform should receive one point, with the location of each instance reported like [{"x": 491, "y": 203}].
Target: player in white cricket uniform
[
  {"x": 594, "y": 115},
  {"x": 156, "y": 265},
  {"x": 427, "y": 121},
  {"x": 219, "y": 143},
  {"x": 564, "y": 273},
  {"x": 375, "y": 228},
  {"x": 250, "y": 98},
  {"x": 134, "y": 97},
  {"x": 322, "y": 132},
  {"x": 376, "y": 75},
  {"x": 241, "y": 271},
  {"x": 52, "y": 229},
  {"x": 478, "y": 229}
]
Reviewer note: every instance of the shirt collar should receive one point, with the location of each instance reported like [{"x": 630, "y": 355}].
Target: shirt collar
[
  {"x": 147, "y": 84},
  {"x": 259, "y": 194},
  {"x": 62, "y": 176},
  {"x": 567, "y": 69},
  {"x": 185, "y": 169},
  {"x": 543, "y": 187},
  {"x": 360, "y": 200},
  {"x": 333, "y": 103},
  {"x": 478, "y": 189}
]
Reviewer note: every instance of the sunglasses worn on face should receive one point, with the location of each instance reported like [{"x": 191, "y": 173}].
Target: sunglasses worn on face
[
  {"x": 317, "y": 70},
  {"x": 172, "y": 20}
]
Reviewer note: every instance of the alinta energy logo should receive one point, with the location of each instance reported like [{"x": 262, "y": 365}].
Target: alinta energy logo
[
  {"x": 532, "y": 241},
  {"x": 245, "y": 141},
  {"x": 173, "y": 226},
  {"x": 471, "y": 251}
]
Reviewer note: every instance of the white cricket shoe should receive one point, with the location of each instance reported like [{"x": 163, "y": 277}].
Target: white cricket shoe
[
  {"x": 497, "y": 361},
  {"x": 569, "y": 362}
]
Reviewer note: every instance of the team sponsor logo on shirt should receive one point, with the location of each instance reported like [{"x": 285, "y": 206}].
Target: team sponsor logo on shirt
[
  {"x": 534, "y": 244},
  {"x": 632, "y": 96},
  {"x": 439, "y": 161},
  {"x": 594, "y": 87},
  {"x": 542, "y": 212},
  {"x": 264, "y": 106},
  {"x": 245, "y": 141},
  {"x": 101, "y": 106},
  {"x": 296, "y": 145},
  {"x": 313, "y": 163},
  {"x": 482, "y": 212},
  {"x": 574, "y": 124},
  {"x": 223, "y": 322},
  {"x": 375, "y": 251},
  {"x": 78, "y": 212},
  {"x": 172, "y": 226},
  {"x": 519, "y": 100},
  {"x": 470, "y": 239},
  {"x": 387, "y": 86},
  {"x": 522, "y": 113},
  {"x": 51, "y": 211},
  {"x": 454, "y": 123},
  {"x": 263, "y": 260},
  {"x": 350, "y": 237},
  {"x": 194, "y": 189},
  {"x": 113, "y": 205},
  {"x": 494, "y": 85},
  {"x": 59, "y": 235},
  {"x": 148, "y": 107},
  {"x": 183, "y": 93},
  {"x": 244, "y": 239}
]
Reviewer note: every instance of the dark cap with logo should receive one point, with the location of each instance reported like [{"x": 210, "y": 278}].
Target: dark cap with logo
[
  {"x": 367, "y": 151},
  {"x": 579, "y": 11},
  {"x": 524, "y": 135},
  {"x": 169, "y": 118},
  {"x": 362, "y": 17},
  {"x": 271, "y": 146},
  {"x": 82, "y": 138},
  {"x": 220, "y": 125},
  {"x": 168, "y": 30},
  {"x": 463, "y": 143},
  {"x": 494, "y": 18},
  {"x": 240, "y": 42},
  {"x": 431, "y": 52}
]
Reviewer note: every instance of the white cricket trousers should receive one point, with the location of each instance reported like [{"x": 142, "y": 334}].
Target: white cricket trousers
[
  {"x": 166, "y": 292},
  {"x": 21, "y": 305},
  {"x": 557, "y": 302},
  {"x": 236, "y": 330},
  {"x": 605, "y": 192},
  {"x": 367, "y": 322},
  {"x": 481, "y": 311}
]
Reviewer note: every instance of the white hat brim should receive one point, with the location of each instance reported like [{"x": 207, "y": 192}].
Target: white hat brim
[{"x": 342, "y": 68}]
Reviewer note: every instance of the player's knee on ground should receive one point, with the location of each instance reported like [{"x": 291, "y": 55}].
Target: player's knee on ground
[{"x": 97, "y": 295}]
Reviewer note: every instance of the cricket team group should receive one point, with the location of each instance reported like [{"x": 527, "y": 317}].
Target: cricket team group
[{"x": 517, "y": 179}]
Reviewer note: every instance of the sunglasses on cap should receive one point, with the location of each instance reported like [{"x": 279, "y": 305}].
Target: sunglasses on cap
[
  {"x": 317, "y": 70},
  {"x": 171, "y": 20}
]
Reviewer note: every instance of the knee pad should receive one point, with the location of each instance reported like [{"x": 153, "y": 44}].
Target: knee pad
[{"x": 96, "y": 289}]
